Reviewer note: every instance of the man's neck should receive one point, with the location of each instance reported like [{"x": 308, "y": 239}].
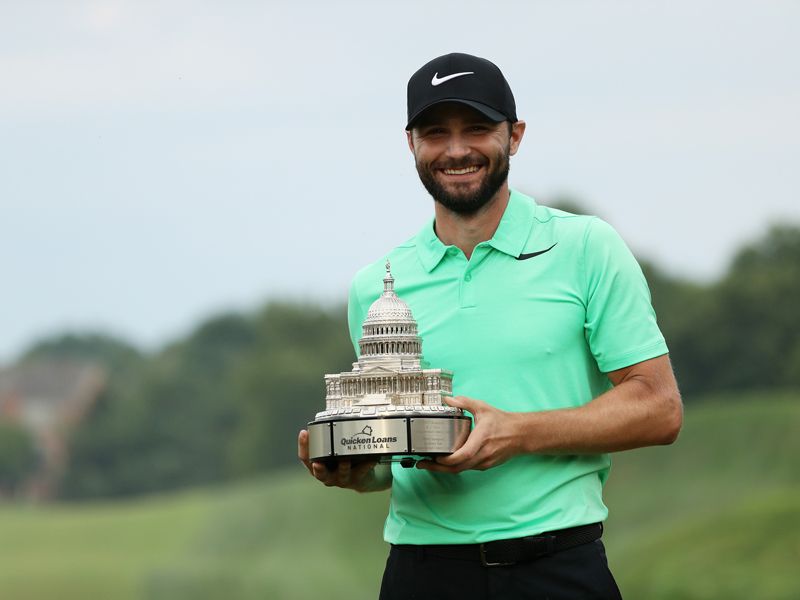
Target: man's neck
[{"x": 467, "y": 231}]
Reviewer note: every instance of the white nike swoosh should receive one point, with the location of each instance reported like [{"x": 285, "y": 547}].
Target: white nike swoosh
[{"x": 440, "y": 80}]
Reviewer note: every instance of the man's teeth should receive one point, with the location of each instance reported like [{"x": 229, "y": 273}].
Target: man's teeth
[{"x": 463, "y": 171}]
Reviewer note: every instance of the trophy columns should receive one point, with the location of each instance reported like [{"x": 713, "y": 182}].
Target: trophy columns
[{"x": 390, "y": 404}]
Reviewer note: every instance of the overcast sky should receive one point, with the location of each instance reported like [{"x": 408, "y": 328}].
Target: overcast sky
[{"x": 162, "y": 161}]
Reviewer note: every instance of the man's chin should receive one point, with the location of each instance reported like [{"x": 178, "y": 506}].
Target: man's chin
[
  {"x": 464, "y": 198},
  {"x": 464, "y": 205},
  {"x": 461, "y": 192}
]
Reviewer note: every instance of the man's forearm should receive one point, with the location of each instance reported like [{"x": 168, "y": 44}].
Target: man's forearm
[{"x": 643, "y": 409}]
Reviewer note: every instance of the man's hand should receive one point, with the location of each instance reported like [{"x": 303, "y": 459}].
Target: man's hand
[
  {"x": 365, "y": 476},
  {"x": 492, "y": 442}
]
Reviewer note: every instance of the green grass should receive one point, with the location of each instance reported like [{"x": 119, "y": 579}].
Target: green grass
[
  {"x": 282, "y": 536},
  {"x": 92, "y": 550},
  {"x": 715, "y": 516},
  {"x": 750, "y": 550},
  {"x": 730, "y": 448},
  {"x": 287, "y": 538}
]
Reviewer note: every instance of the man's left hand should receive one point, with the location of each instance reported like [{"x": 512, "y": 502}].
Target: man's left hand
[{"x": 492, "y": 442}]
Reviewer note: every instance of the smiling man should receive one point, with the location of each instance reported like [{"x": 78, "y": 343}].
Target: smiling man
[
  {"x": 545, "y": 319},
  {"x": 465, "y": 173}
]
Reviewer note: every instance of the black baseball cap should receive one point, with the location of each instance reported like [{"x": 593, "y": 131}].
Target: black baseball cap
[{"x": 461, "y": 78}]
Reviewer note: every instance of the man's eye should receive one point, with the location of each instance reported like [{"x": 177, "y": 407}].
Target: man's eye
[{"x": 479, "y": 129}]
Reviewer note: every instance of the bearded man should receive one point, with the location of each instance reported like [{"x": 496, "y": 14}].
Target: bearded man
[{"x": 545, "y": 319}]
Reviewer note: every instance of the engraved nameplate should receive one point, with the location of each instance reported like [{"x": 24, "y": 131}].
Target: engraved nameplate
[
  {"x": 366, "y": 436},
  {"x": 437, "y": 434}
]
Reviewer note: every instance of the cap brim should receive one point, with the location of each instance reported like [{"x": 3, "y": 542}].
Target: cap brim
[{"x": 487, "y": 111}]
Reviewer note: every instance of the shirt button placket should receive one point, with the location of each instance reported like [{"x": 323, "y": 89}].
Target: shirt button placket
[{"x": 467, "y": 291}]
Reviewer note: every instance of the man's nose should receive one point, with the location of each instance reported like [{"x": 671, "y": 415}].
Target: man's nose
[{"x": 457, "y": 147}]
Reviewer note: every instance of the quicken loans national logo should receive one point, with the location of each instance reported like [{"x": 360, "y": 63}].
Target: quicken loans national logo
[{"x": 364, "y": 440}]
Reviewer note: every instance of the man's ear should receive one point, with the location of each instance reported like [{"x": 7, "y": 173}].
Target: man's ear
[
  {"x": 410, "y": 138},
  {"x": 517, "y": 131}
]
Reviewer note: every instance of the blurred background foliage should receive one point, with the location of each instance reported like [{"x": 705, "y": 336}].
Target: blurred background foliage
[
  {"x": 216, "y": 415},
  {"x": 227, "y": 401}
]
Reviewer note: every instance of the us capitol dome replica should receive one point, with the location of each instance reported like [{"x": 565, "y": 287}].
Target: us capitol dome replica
[
  {"x": 387, "y": 392},
  {"x": 389, "y": 375}
]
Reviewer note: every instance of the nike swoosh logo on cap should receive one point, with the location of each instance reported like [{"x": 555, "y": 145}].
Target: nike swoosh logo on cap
[
  {"x": 532, "y": 254},
  {"x": 440, "y": 80}
]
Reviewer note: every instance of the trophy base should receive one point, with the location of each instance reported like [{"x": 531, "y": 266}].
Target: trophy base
[{"x": 374, "y": 437}]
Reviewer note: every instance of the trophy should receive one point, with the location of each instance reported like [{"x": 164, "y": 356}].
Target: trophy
[{"x": 390, "y": 406}]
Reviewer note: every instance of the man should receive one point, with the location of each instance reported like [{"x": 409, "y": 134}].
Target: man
[{"x": 545, "y": 319}]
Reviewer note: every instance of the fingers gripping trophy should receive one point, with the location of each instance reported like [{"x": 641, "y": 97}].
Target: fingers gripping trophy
[{"x": 390, "y": 406}]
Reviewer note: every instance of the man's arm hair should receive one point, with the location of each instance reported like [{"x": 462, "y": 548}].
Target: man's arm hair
[{"x": 642, "y": 409}]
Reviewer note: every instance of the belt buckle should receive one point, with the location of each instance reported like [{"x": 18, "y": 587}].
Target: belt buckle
[{"x": 486, "y": 563}]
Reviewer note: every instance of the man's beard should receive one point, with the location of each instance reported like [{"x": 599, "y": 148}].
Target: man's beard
[{"x": 465, "y": 203}]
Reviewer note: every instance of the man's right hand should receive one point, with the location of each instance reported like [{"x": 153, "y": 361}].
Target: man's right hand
[{"x": 367, "y": 476}]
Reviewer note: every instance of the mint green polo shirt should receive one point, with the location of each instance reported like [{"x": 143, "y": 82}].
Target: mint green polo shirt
[{"x": 531, "y": 322}]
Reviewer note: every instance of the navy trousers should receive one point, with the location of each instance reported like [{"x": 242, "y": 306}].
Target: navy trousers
[{"x": 579, "y": 573}]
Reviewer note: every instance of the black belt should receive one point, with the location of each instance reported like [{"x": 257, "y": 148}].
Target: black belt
[{"x": 501, "y": 553}]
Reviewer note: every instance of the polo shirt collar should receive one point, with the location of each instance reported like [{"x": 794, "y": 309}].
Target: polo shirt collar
[
  {"x": 429, "y": 247},
  {"x": 509, "y": 238},
  {"x": 515, "y": 225}
]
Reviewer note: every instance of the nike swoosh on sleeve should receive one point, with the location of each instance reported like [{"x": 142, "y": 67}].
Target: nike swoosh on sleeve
[{"x": 532, "y": 254}]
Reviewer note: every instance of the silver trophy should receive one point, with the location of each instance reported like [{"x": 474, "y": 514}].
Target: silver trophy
[{"x": 390, "y": 406}]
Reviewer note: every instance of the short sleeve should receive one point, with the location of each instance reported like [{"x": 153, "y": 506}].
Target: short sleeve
[{"x": 620, "y": 326}]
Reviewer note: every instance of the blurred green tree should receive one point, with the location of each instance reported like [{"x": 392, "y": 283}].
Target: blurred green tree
[
  {"x": 18, "y": 457},
  {"x": 754, "y": 338},
  {"x": 279, "y": 386},
  {"x": 228, "y": 400},
  {"x": 743, "y": 331},
  {"x": 167, "y": 428},
  {"x": 225, "y": 402},
  {"x": 112, "y": 353}
]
